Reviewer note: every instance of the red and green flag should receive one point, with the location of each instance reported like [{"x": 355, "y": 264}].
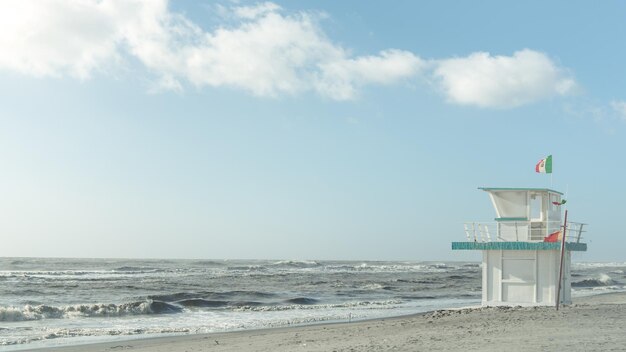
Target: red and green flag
[{"x": 544, "y": 166}]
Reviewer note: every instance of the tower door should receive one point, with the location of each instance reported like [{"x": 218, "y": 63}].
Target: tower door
[
  {"x": 537, "y": 216},
  {"x": 518, "y": 276}
]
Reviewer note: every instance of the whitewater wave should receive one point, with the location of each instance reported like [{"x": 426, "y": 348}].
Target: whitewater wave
[
  {"x": 584, "y": 265},
  {"x": 127, "y": 269},
  {"x": 603, "y": 280},
  {"x": 23, "y": 273},
  {"x": 212, "y": 295},
  {"x": 38, "y": 312},
  {"x": 247, "y": 268},
  {"x": 392, "y": 268},
  {"x": 296, "y": 264},
  {"x": 79, "y": 275},
  {"x": 374, "y": 287},
  {"x": 205, "y": 303},
  {"x": 283, "y": 266},
  {"x": 388, "y": 304},
  {"x": 50, "y": 334}
]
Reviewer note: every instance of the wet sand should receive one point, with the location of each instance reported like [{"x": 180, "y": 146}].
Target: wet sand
[{"x": 596, "y": 323}]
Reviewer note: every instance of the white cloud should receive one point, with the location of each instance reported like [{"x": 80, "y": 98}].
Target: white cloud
[
  {"x": 502, "y": 81},
  {"x": 340, "y": 78},
  {"x": 52, "y": 38},
  {"x": 265, "y": 52},
  {"x": 619, "y": 106},
  {"x": 261, "y": 50},
  {"x": 271, "y": 55}
]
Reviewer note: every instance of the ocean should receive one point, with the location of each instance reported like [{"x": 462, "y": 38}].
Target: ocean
[{"x": 53, "y": 302}]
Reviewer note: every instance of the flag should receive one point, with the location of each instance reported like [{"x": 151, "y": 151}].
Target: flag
[
  {"x": 544, "y": 166},
  {"x": 554, "y": 237}
]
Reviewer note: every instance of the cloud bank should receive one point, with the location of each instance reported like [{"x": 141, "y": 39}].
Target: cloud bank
[{"x": 263, "y": 50}]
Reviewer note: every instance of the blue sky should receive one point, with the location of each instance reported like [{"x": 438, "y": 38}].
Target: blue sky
[{"x": 301, "y": 130}]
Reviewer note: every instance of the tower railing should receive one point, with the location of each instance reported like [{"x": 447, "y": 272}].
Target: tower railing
[{"x": 521, "y": 231}]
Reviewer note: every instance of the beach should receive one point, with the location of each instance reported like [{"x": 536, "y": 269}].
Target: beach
[{"x": 593, "y": 323}]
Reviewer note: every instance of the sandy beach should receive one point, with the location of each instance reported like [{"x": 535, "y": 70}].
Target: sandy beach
[{"x": 595, "y": 323}]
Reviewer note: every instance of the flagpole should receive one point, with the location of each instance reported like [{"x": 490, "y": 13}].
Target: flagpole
[
  {"x": 563, "y": 249},
  {"x": 550, "y": 180}
]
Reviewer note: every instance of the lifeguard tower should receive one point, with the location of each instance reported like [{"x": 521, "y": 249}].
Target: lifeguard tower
[{"x": 522, "y": 248}]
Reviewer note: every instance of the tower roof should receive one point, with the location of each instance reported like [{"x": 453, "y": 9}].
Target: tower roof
[{"x": 519, "y": 189}]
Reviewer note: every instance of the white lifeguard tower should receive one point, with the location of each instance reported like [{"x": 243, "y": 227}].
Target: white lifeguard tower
[{"x": 522, "y": 248}]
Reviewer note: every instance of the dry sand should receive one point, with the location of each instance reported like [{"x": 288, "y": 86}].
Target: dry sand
[{"x": 596, "y": 323}]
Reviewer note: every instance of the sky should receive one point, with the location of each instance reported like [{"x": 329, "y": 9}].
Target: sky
[{"x": 311, "y": 130}]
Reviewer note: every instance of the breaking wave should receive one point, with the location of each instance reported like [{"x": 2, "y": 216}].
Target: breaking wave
[
  {"x": 38, "y": 312},
  {"x": 302, "y": 301},
  {"x": 296, "y": 264},
  {"x": 205, "y": 303},
  {"x": 210, "y": 295},
  {"x": 603, "y": 280}
]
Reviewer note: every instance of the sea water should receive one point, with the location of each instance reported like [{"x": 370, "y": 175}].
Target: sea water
[{"x": 51, "y": 302}]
